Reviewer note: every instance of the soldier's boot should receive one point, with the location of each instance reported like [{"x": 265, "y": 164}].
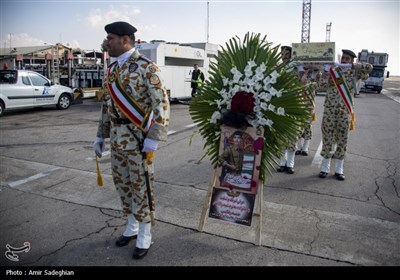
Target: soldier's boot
[
  {"x": 304, "y": 149},
  {"x": 290, "y": 161},
  {"x": 282, "y": 161},
  {"x": 131, "y": 232},
  {"x": 298, "y": 146},
  {"x": 339, "y": 170},
  {"x": 325, "y": 167},
  {"x": 143, "y": 241}
]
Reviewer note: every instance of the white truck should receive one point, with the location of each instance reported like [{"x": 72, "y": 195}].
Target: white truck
[
  {"x": 23, "y": 89},
  {"x": 377, "y": 75},
  {"x": 176, "y": 62}
]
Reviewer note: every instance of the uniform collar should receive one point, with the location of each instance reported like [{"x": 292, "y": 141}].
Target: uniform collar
[{"x": 125, "y": 56}]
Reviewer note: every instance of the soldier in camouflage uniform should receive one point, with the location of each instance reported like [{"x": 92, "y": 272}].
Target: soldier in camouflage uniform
[
  {"x": 337, "y": 118},
  {"x": 286, "y": 161},
  {"x": 312, "y": 78},
  {"x": 142, "y": 82}
]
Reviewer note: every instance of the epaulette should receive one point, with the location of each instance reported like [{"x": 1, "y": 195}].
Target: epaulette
[{"x": 145, "y": 58}]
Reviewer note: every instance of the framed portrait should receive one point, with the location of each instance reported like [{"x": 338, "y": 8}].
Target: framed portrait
[
  {"x": 316, "y": 52},
  {"x": 239, "y": 159},
  {"x": 232, "y": 206}
]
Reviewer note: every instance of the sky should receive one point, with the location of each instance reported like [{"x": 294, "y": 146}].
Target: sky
[{"x": 355, "y": 25}]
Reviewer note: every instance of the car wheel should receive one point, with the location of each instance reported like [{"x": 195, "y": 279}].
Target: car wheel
[
  {"x": 1, "y": 108},
  {"x": 64, "y": 101}
]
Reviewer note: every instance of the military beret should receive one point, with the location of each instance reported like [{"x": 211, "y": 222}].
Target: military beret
[
  {"x": 120, "y": 28},
  {"x": 349, "y": 52},
  {"x": 286, "y": 48}
]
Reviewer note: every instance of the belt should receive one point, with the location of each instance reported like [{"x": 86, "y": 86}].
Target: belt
[{"x": 121, "y": 121}]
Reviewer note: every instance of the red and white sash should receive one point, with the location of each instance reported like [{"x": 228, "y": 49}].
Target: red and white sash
[
  {"x": 130, "y": 108},
  {"x": 344, "y": 92}
]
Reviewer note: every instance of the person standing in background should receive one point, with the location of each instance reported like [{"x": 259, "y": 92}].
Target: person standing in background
[
  {"x": 286, "y": 161},
  {"x": 197, "y": 79}
]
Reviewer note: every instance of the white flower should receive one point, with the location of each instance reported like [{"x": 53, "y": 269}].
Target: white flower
[
  {"x": 251, "y": 63},
  {"x": 264, "y": 105},
  {"x": 261, "y": 68},
  {"x": 274, "y": 74},
  {"x": 236, "y": 77},
  {"x": 273, "y": 91},
  {"x": 280, "y": 111},
  {"x": 267, "y": 81},
  {"x": 258, "y": 76},
  {"x": 225, "y": 81},
  {"x": 271, "y": 107},
  {"x": 215, "y": 117},
  {"x": 248, "y": 73},
  {"x": 234, "y": 70},
  {"x": 258, "y": 86},
  {"x": 265, "y": 96},
  {"x": 219, "y": 103}
]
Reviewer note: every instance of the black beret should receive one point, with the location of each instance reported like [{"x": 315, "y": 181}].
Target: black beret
[
  {"x": 120, "y": 28},
  {"x": 286, "y": 48},
  {"x": 349, "y": 52}
]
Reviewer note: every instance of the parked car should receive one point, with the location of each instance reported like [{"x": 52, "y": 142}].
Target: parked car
[{"x": 24, "y": 89}]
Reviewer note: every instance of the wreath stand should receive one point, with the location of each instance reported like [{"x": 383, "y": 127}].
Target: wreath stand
[{"x": 257, "y": 213}]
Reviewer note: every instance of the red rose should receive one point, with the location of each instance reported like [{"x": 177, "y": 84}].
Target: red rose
[{"x": 243, "y": 102}]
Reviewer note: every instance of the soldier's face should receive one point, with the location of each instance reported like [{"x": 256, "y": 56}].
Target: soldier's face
[
  {"x": 236, "y": 140},
  {"x": 346, "y": 59},
  {"x": 286, "y": 55},
  {"x": 114, "y": 45}
]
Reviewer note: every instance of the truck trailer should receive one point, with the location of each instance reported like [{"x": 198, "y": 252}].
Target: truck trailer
[
  {"x": 377, "y": 75},
  {"x": 176, "y": 62}
]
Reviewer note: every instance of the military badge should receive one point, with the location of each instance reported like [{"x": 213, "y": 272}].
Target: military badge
[
  {"x": 128, "y": 89},
  {"x": 133, "y": 67},
  {"x": 153, "y": 68},
  {"x": 112, "y": 78},
  {"x": 154, "y": 80}
]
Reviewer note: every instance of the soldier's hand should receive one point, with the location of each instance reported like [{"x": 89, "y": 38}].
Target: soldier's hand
[
  {"x": 149, "y": 145},
  {"x": 98, "y": 146}
]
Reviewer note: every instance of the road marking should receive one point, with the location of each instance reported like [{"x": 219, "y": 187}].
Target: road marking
[
  {"x": 32, "y": 178},
  {"x": 186, "y": 127},
  {"x": 191, "y": 125},
  {"x": 171, "y": 132},
  {"x": 317, "y": 157},
  {"x": 391, "y": 95}
]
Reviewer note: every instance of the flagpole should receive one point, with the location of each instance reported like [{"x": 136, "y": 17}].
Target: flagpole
[{"x": 208, "y": 20}]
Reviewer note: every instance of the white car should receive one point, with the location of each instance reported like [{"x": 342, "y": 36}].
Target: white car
[{"x": 24, "y": 89}]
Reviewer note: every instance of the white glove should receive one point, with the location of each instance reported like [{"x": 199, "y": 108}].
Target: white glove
[
  {"x": 149, "y": 145},
  {"x": 98, "y": 146},
  {"x": 327, "y": 67}
]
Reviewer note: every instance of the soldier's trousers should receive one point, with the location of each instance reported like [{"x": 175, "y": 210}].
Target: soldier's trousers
[
  {"x": 307, "y": 132},
  {"x": 130, "y": 182},
  {"x": 335, "y": 130}
]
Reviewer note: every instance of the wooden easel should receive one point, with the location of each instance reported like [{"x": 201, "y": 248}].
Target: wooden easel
[{"x": 257, "y": 212}]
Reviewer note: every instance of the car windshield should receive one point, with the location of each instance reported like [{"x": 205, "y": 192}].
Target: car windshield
[{"x": 376, "y": 74}]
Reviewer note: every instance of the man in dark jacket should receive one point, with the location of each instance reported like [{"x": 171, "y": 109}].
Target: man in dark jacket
[{"x": 197, "y": 79}]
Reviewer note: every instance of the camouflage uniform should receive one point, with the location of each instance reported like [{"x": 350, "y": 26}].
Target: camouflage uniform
[
  {"x": 336, "y": 117},
  {"x": 312, "y": 78},
  {"x": 142, "y": 81}
]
